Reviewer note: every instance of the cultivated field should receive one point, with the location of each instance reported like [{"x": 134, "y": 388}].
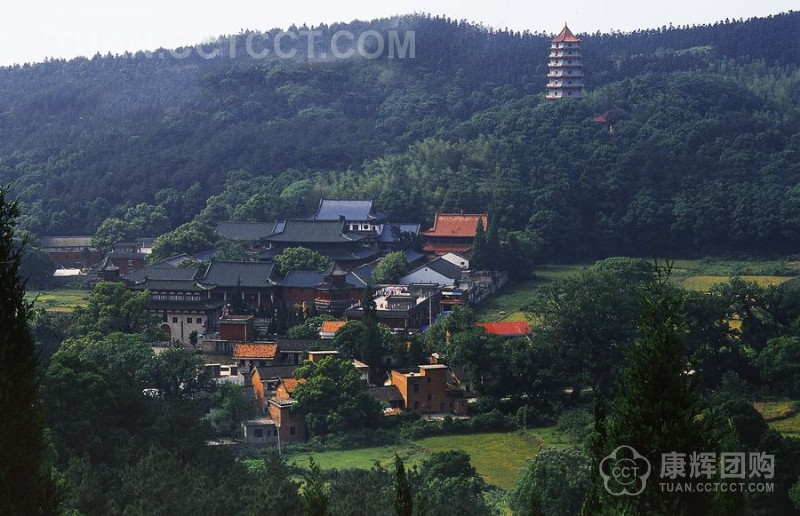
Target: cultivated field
[
  {"x": 498, "y": 457},
  {"x": 58, "y": 300}
]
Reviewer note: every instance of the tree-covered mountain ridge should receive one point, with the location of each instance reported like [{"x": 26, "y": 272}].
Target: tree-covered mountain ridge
[{"x": 699, "y": 154}]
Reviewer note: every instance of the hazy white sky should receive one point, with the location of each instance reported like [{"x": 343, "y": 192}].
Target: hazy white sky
[{"x": 31, "y": 30}]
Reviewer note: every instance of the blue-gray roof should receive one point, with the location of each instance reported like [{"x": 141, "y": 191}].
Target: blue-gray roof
[
  {"x": 314, "y": 232},
  {"x": 351, "y": 209},
  {"x": 443, "y": 267},
  {"x": 244, "y": 274},
  {"x": 302, "y": 279},
  {"x": 161, "y": 271}
]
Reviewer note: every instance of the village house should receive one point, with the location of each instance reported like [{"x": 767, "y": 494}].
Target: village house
[
  {"x": 403, "y": 307},
  {"x": 255, "y": 354},
  {"x": 426, "y": 391}
]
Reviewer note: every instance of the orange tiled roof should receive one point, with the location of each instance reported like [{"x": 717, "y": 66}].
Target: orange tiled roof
[
  {"x": 332, "y": 326},
  {"x": 255, "y": 350},
  {"x": 456, "y": 225},
  {"x": 506, "y": 328},
  {"x": 442, "y": 249},
  {"x": 290, "y": 384},
  {"x": 566, "y": 35}
]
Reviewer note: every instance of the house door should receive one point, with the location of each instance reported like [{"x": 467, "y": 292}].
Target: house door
[{"x": 167, "y": 331}]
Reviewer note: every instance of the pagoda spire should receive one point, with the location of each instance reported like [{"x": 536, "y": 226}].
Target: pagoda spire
[{"x": 565, "y": 67}]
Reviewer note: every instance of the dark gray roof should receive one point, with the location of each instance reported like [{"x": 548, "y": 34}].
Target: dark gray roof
[
  {"x": 314, "y": 232},
  {"x": 390, "y": 232},
  {"x": 160, "y": 271},
  {"x": 107, "y": 265},
  {"x": 444, "y": 268},
  {"x": 362, "y": 275},
  {"x": 302, "y": 279},
  {"x": 245, "y": 274},
  {"x": 200, "y": 306},
  {"x": 160, "y": 285},
  {"x": 246, "y": 231},
  {"x": 352, "y": 210},
  {"x": 388, "y": 393},
  {"x": 413, "y": 256}
]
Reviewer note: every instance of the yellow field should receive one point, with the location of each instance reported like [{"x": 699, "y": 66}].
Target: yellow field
[{"x": 705, "y": 283}]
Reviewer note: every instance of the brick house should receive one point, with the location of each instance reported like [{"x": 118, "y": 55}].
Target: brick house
[{"x": 427, "y": 391}]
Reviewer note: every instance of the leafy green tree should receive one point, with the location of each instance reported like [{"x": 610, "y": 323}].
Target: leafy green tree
[
  {"x": 403, "y": 502},
  {"x": 779, "y": 365},
  {"x": 553, "y": 482},
  {"x": 301, "y": 258},
  {"x": 391, "y": 268},
  {"x": 36, "y": 267},
  {"x": 114, "y": 308},
  {"x": 656, "y": 411},
  {"x": 231, "y": 407},
  {"x": 272, "y": 491},
  {"x": 309, "y": 329},
  {"x": 25, "y": 483},
  {"x": 334, "y": 397},
  {"x": 315, "y": 490},
  {"x": 187, "y": 238},
  {"x": 447, "y": 464},
  {"x": 590, "y": 318},
  {"x": 480, "y": 251}
]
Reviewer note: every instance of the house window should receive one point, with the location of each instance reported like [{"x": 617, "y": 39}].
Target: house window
[
  {"x": 199, "y": 320},
  {"x": 429, "y": 379},
  {"x": 416, "y": 387},
  {"x": 189, "y": 320},
  {"x": 174, "y": 319},
  {"x": 259, "y": 433},
  {"x": 291, "y": 430},
  {"x": 130, "y": 262}
]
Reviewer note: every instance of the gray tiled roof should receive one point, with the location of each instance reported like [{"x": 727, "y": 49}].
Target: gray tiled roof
[
  {"x": 351, "y": 209},
  {"x": 295, "y": 344},
  {"x": 445, "y": 268},
  {"x": 302, "y": 279},
  {"x": 388, "y": 393},
  {"x": 246, "y": 231},
  {"x": 161, "y": 285},
  {"x": 245, "y": 274},
  {"x": 160, "y": 271},
  {"x": 314, "y": 231},
  {"x": 273, "y": 372}
]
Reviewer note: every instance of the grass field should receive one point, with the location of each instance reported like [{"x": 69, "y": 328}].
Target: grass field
[
  {"x": 60, "y": 300},
  {"x": 497, "y": 456},
  {"x": 699, "y": 275},
  {"x": 507, "y": 304}
]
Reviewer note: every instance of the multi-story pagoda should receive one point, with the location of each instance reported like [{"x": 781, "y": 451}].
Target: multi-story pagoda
[{"x": 565, "y": 75}]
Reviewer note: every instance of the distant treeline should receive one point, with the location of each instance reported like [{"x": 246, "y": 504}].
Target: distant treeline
[{"x": 699, "y": 154}]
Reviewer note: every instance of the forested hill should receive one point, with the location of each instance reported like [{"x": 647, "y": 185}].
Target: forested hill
[{"x": 701, "y": 152}]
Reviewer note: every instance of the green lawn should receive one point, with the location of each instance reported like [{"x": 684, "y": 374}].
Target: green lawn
[
  {"x": 507, "y": 304},
  {"x": 497, "y": 456},
  {"x": 59, "y": 300},
  {"x": 705, "y": 283}
]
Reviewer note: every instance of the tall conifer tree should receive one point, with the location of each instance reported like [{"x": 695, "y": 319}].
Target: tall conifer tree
[{"x": 23, "y": 479}]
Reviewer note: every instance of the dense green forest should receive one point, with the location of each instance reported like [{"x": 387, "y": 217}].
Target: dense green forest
[{"x": 700, "y": 155}]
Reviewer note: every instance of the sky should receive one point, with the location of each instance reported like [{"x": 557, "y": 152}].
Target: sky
[{"x": 33, "y": 30}]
